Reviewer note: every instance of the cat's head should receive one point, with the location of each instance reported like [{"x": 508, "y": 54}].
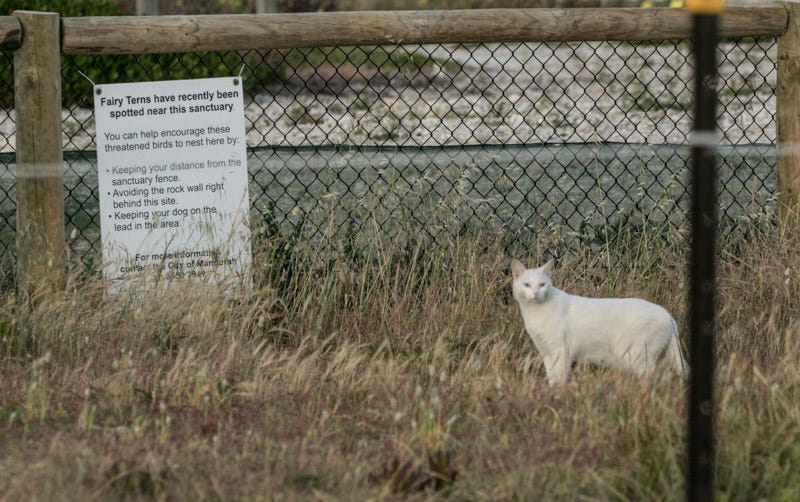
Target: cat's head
[{"x": 531, "y": 285}]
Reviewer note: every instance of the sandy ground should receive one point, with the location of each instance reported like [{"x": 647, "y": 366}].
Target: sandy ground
[{"x": 498, "y": 94}]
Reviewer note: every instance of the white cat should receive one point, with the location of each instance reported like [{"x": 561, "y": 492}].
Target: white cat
[{"x": 627, "y": 333}]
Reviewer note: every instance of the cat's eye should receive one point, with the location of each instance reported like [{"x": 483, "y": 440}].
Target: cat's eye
[
  {"x": 542, "y": 284},
  {"x": 527, "y": 284}
]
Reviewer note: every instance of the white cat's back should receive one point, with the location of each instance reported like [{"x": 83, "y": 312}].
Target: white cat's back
[
  {"x": 615, "y": 315},
  {"x": 604, "y": 329}
]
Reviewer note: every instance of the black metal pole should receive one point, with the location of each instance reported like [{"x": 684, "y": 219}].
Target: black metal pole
[{"x": 700, "y": 483}]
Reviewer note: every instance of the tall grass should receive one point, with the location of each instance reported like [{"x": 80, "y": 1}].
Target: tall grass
[{"x": 404, "y": 373}]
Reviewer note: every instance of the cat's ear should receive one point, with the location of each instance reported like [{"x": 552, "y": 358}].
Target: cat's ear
[
  {"x": 548, "y": 268},
  {"x": 517, "y": 268}
]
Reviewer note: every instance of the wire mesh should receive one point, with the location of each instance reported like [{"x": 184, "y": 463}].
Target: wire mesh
[
  {"x": 8, "y": 203},
  {"x": 435, "y": 141}
]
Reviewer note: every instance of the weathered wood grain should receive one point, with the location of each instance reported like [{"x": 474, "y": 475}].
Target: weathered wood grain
[
  {"x": 39, "y": 178},
  {"x": 788, "y": 115},
  {"x": 128, "y": 35}
]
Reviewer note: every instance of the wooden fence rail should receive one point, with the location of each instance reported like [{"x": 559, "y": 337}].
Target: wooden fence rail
[
  {"x": 125, "y": 35},
  {"x": 141, "y": 35},
  {"x": 160, "y": 34}
]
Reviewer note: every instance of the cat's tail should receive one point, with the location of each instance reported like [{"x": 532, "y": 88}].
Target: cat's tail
[{"x": 675, "y": 355}]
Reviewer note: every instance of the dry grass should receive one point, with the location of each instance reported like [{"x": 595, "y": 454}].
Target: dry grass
[{"x": 403, "y": 376}]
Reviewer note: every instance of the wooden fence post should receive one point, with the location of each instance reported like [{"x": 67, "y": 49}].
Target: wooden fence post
[
  {"x": 40, "y": 185},
  {"x": 788, "y": 114}
]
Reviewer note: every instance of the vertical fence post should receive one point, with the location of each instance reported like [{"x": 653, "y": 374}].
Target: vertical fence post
[
  {"x": 788, "y": 114},
  {"x": 40, "y": 185},
  {"x": 702, "y": 312}
]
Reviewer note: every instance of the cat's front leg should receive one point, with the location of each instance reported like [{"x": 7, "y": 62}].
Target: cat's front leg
[{"x": 557, "y": 366}]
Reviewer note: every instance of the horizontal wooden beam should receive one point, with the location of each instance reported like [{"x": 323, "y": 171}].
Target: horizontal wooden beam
[
  {"x": 137, "y": 35},
  {"x": 10, "y": 33}
]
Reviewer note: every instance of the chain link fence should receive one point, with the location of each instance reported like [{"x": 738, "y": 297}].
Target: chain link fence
[{"x": 437, "y": 141}]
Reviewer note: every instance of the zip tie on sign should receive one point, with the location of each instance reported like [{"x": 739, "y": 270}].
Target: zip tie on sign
[{"x": 87, "y": 78}]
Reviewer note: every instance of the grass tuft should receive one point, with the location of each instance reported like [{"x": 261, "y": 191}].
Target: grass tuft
[{"x": 403, "y": 371}]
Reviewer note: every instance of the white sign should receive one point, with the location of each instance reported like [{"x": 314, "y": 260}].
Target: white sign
[{"x": 172, "y": 174}]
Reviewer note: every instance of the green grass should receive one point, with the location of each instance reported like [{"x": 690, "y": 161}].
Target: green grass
[{"x": 401, "y": 373}]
